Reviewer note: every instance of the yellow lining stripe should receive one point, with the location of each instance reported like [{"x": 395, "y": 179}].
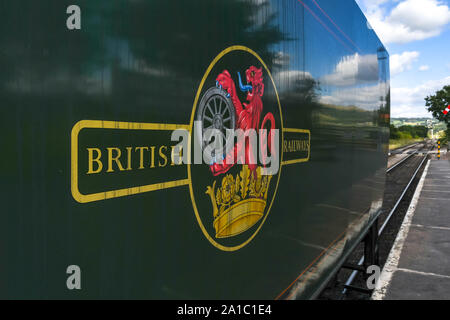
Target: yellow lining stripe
[
  {"x": 99, "y": 124},
  {"x": 289, "y": 162}
]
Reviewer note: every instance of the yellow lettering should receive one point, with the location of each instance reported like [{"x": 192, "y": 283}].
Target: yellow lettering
[
  {"x": 115, "y": 159},
  {"x": 163, "y": 156},
  {"x": 91, "y": 160},
  {"x": 152, "y": 157},
  {"x": 141, "y": 159},
  {"x": 178, "y": 152},
  {"x": 181, "y": 156},
  {"x": 129, "y": 149},
  {"x": 172, "y": 156},
  {"x": 295, "y": 145}
]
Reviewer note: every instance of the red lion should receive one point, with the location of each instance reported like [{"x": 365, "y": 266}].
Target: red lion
[{"x": 248, "y": 116}]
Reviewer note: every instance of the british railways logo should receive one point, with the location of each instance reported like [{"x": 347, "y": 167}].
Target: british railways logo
[{"x": 236, "y": 110}]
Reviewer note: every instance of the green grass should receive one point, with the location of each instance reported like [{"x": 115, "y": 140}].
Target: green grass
[{"x": 397, "y": 143}]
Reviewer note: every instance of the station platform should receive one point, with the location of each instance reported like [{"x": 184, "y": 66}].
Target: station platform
[{"x": 418, "y": 266}]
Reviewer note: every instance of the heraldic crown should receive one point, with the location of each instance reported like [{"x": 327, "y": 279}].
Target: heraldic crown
[{"x": 240, "y": 202}]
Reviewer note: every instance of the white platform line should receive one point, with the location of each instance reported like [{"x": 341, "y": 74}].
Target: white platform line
[
  {"x": 433, "y": 185},
  {"x": 394, "y": 256},
  {"x": 424, "y": 273},
  {"x": 430, "y": 227},
  {"x": 430, "y": 198}
]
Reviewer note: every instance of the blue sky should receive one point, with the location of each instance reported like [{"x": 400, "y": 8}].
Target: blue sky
[{"x": 416, "y": 34}]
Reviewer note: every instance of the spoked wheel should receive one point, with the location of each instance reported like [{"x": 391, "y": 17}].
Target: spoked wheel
[{"x": 216, "y": 111}]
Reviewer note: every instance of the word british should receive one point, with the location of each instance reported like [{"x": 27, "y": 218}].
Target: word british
[{"x": 131, "y": 158}]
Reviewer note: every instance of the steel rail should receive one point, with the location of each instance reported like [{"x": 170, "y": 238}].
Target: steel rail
[
  {"x": 361, "y": 261},
  {"x": 402, "y": 195},
  {"x": 406, "y": 158},
  {"x": 400, "y": 162},
  {"x": 400, "y": 150}
]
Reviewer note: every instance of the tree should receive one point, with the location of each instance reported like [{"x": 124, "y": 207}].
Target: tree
[
  {"x": 436, "y": 105},
  {"x": 394, "y": 132},
  {"x": 415, "y": 131},
  {"x": 438, "y": 102}
]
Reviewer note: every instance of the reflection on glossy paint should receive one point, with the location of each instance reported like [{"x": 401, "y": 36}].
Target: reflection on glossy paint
[{"x": 141, "y": 61}]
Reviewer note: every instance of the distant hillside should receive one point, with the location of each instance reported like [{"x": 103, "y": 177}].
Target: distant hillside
[{"x": 398, "y": 122}]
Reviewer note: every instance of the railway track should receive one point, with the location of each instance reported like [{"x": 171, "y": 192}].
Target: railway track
[
  {"x": 403, "y": 149},
  {"x": 401, "y": 180},
  {"x": 398, "y": 156}
]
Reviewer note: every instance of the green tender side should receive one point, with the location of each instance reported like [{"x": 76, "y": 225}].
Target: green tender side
[{"x": 138, "y": 224}]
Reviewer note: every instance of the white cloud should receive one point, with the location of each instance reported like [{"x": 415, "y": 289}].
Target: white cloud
[
  {"x": 367, "y": 97},
  {"x": 282, "y": 58},
  {"x": 402, "y": 62},
  {"x": 421, "y": 15},
  {"x": 405, "y": 102},
  {"x": 352, "y": 69},
  {"x": 403, "y": 21},
  {"x": 409, "y": 20},
  {"x": 286, "y": 79},
  {"x": 409, "y": 102}
]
